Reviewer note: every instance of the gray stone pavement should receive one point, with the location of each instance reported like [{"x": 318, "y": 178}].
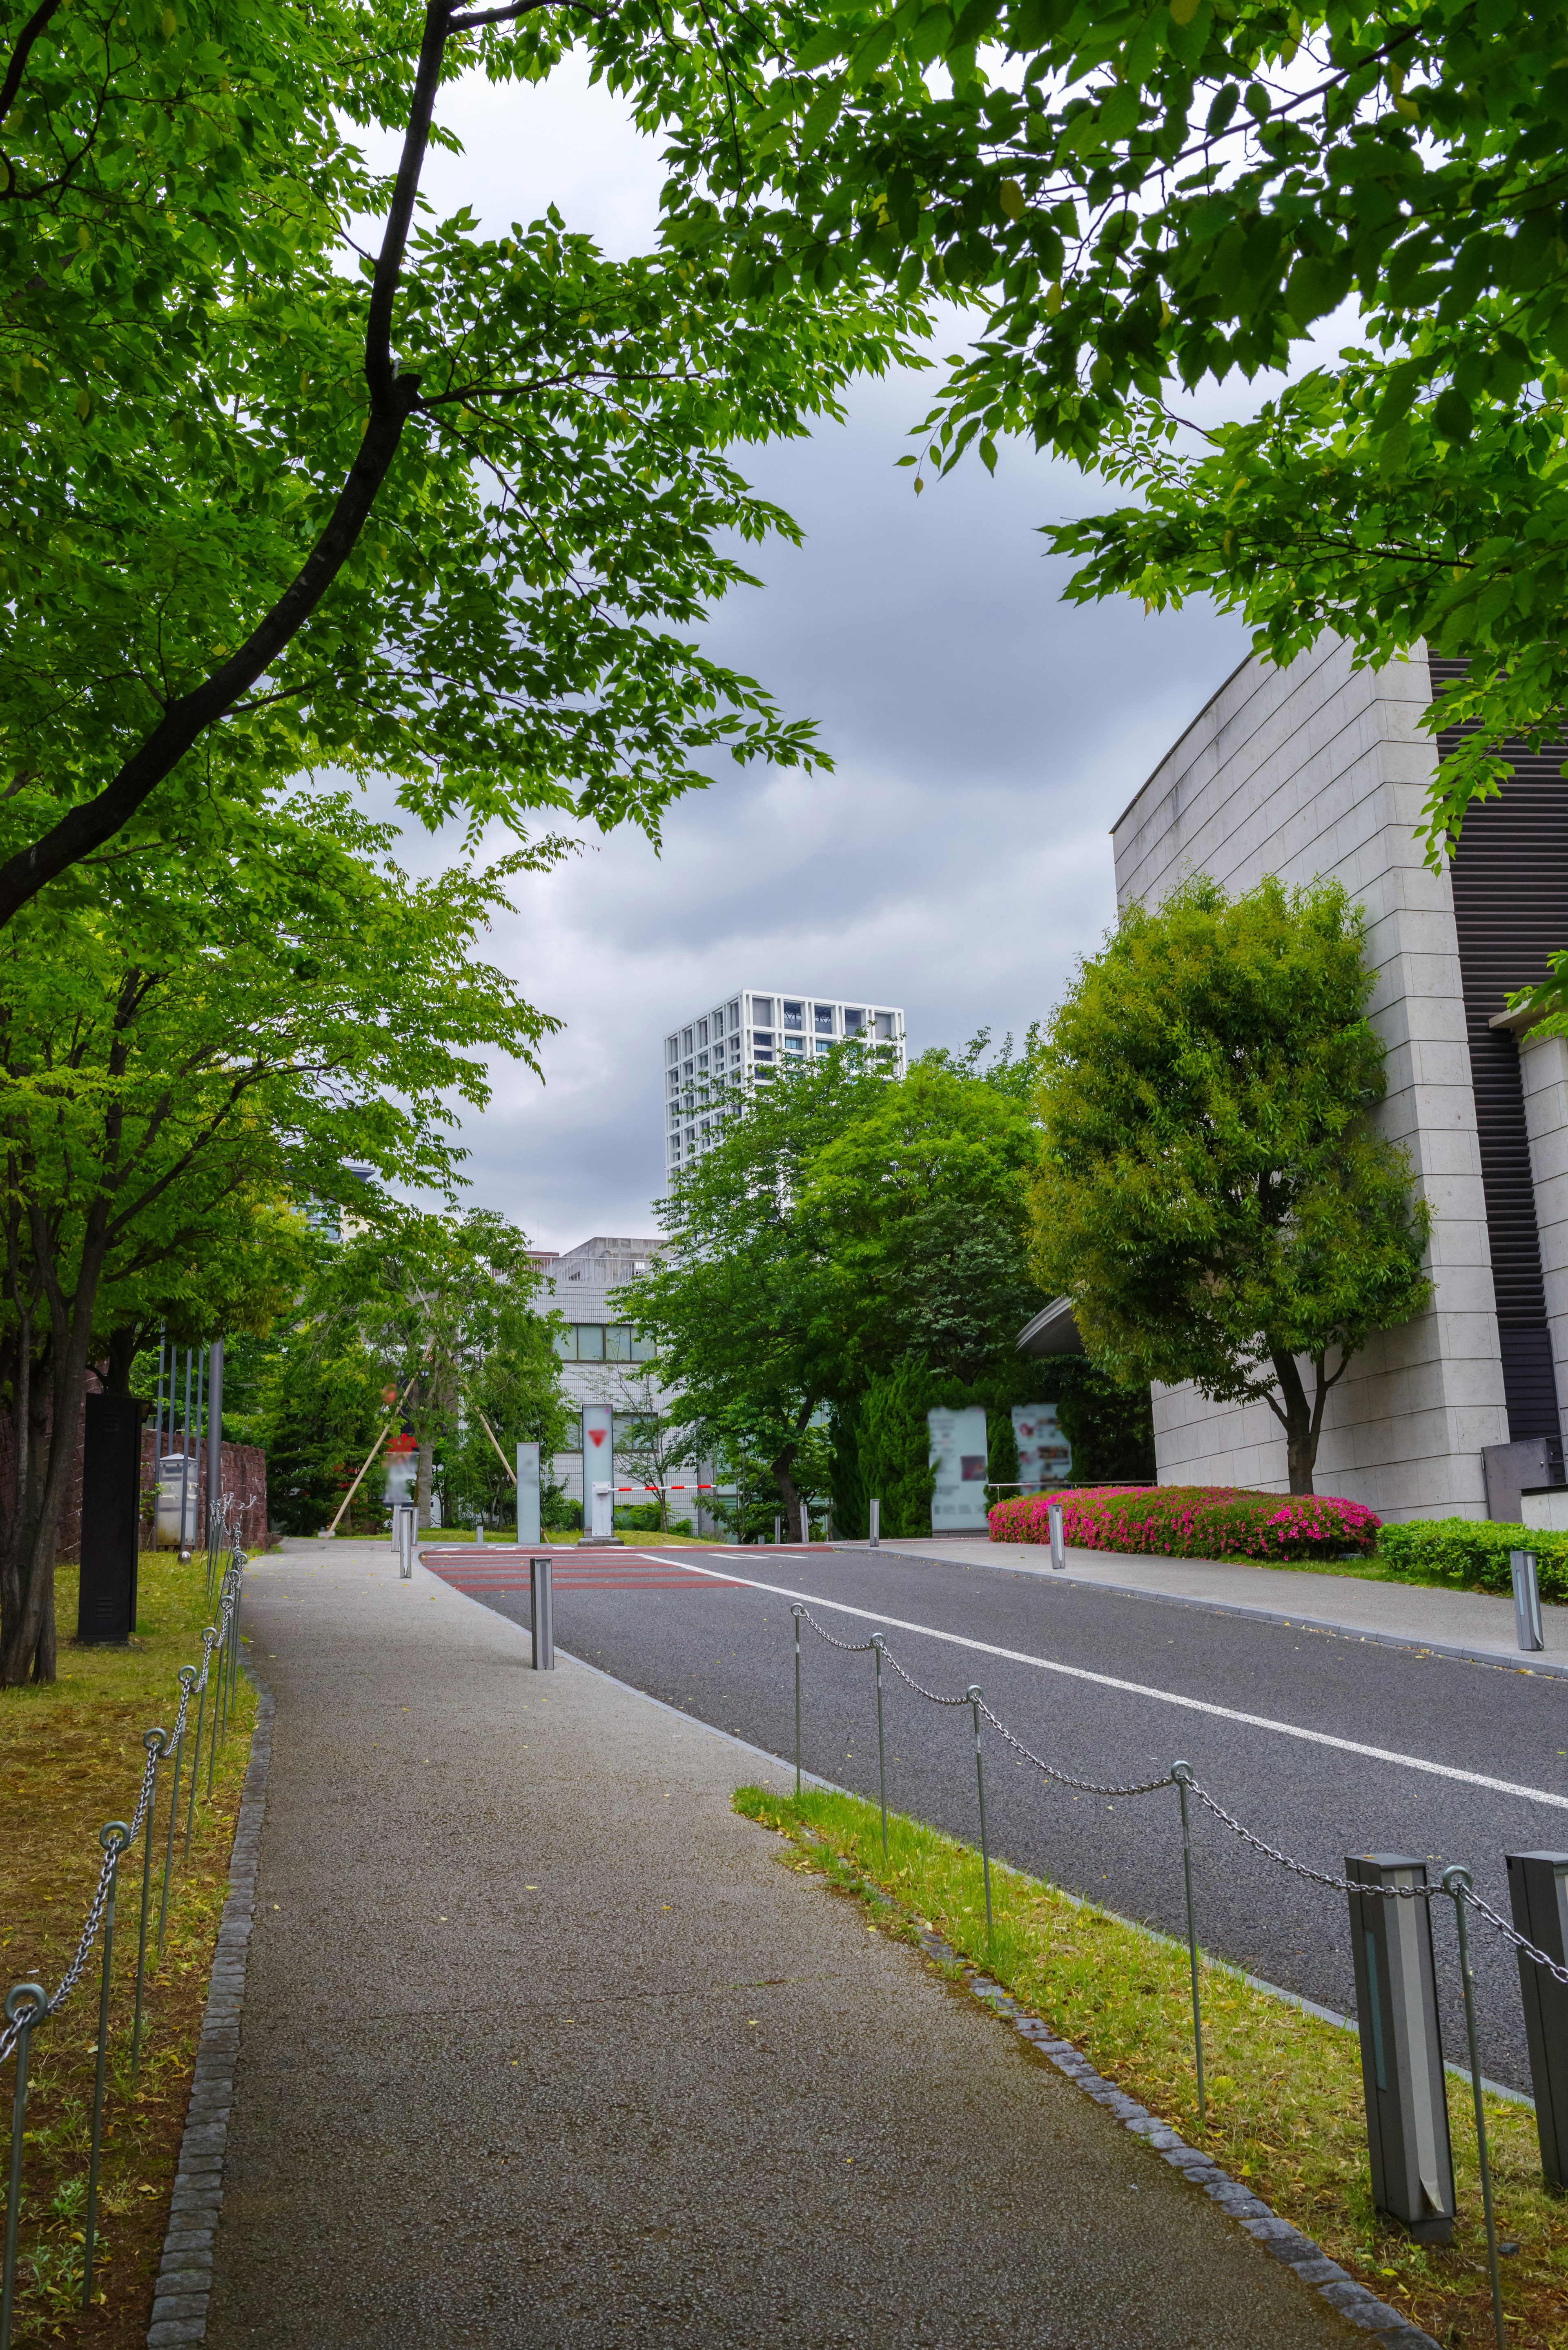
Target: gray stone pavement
[
  {"x": 540, "y": 2045},
  {"x": 1476, "y": 1624}
]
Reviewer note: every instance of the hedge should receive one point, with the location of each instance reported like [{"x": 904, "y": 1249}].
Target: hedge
[
  {"x": 1194, "y": 1522},
  {"x": 1472, "y": 1553}
]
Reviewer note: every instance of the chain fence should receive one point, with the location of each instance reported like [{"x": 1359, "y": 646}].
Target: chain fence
[
  {"x": 29, "y": 2005},
  {"x": 1454, "y": 1884}
]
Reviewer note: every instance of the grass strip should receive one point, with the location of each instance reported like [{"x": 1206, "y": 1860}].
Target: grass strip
[
  {"x": 71, "y": 1758},
  {"x": 1285, "y": 2108}
]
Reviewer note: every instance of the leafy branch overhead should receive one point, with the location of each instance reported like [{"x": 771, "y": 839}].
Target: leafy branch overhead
[
  {"x": 1138, "y": 199},
  {"x": 448, "y": 516}
]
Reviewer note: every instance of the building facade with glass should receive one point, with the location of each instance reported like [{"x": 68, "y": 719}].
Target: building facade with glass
[{"x": 708, "y": 1061}]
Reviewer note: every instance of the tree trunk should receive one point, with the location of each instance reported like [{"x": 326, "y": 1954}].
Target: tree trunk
[
  {"x": 793, "y": 1506},
  {"x": 123, "y": 1347},
  {"x": 1301, "y": 1421},
  {"x": 45, "y": 1455}
]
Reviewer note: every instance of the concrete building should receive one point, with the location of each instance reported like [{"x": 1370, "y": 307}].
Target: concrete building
[
  {"x": 710, "y": 1060},
  {"x": 1320, "y": 770},
  {"x": 605, "y": 1360}
]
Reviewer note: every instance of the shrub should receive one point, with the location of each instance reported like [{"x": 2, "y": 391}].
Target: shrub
[
  {"x": 1194, "y": 1522},
  {"x": 1472, "y": 1553}
]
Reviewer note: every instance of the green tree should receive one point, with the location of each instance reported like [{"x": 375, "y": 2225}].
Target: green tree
[
  {"x": 447, "y": 516},
  {"x": 1143, "y": 197},
  {"x": 181, "y": 1035},
  {"x": 1211, "y": 1192}
]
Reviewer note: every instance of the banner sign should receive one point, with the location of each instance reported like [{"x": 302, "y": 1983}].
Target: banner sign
[
  {"x": 1045, "y": 1455},
  {"x": 957, "y": 1456}
]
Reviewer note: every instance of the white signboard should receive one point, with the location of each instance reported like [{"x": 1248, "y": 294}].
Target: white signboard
[
  {"x": 957, "y": 1456},
  {"x": 1045, "y": 1455}
]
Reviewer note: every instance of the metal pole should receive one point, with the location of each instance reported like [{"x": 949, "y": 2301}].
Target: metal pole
[
  {"x": 881, "y": 1749},
  {"x": 196, "y": 1468},
  {"x": 778, "y": 1523},
  {"x": 1182, "y": 1773},
  {"x": 798, "y": 1613},
  {"x": 185, "y": 1459},
  {"x": 114, "y": 1836},
  {"x": 35, "y": 2007},
  {"x": 974, "y": 1693},
  {"x": 196, "y": 1757},
  {"x": 214, "y": 1445},
  {"x": 1457, "y": 1885},
  {"x": 153, "y": 1740},
  {"x": 187, "y": 1676},
  {"x": 1526, "y": 1599},
  {"x": 541, "y": 1615},
  {"x": 876, "y": 1523},
  {"x": 1058, "y": 1546}
]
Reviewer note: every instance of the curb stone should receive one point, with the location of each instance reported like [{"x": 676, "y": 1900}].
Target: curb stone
[
  {"x": 185, "y": 2278},
  {"x": 1307, "y": 2260}
]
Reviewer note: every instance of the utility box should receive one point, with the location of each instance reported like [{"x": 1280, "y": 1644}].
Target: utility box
[
  {"x": 528, "y": 1528},
  {"x": 111, "y": 1518},
  {"x": 1401, "y": 2046},
  {"x": 1538, "y": 1893}
]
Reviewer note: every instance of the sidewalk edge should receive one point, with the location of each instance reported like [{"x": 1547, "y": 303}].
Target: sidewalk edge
[{"x": 184, "y": 2285}]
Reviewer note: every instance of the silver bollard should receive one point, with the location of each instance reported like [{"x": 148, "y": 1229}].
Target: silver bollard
[
  {"x": 778, "y": 1530},
  {"x": 1058, "y": 1546},
  {"x": 876, "y": 1525},
  {"x": 1538, "y": 1894},
  {"x": 1526, "y": 1599},
  {"x": 1401, "y": 2050},
  {"x": 541, "y": 1615},
  {"x": 407, "y": 1515}
]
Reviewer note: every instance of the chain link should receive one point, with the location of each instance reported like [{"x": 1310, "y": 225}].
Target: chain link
[
  {"x": 1302, "y": 1868},
  {"x": 212, "y": 1641}
]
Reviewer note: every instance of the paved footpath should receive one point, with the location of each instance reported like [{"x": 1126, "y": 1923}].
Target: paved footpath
[{"x": 540, "y": 2045}]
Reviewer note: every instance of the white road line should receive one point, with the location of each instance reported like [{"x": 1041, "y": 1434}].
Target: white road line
[{"x": 1162, "y": 1697}]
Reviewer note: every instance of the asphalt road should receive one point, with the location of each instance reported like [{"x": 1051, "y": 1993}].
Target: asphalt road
[{"x": 724, "y": 1655}]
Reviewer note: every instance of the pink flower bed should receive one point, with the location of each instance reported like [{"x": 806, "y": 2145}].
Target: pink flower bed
[{"x": 1193, "y": 1521}]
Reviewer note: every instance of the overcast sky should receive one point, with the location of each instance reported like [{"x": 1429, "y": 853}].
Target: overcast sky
[{"x": 985, "y": 737}]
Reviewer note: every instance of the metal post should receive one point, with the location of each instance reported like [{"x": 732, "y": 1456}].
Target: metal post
[
  {"x": 881, "y": 1749},
  {"x": 974, "y": 1693},
  {"x": 1457, "y": 1885},
  {"x": 1401, "y": 2050},
  {"x": 187, "y": 1676},
  {"x": 153, "y": 1740},
  {"x": 114, "y": 1836},
  {"x": 196, "y": 1459},
  {"x": 196, "y": 1757},
  {"x": 26, "y": 2003},
  {"x": 778, "y": 1529},
  {"x": 875, "y": 1518},
  {"x": 1538, "y": 1892},
  {"x": 1182, "y": 1773},
  {"x": 541, "y": 1615},
  {"x": 529, "y": 1529},
  {"x": 1058, "y": 1546},
  {"x": 214, "y": 1445},
  {"x": 185, "y": 1461},
  {"x": 1526, "y": 1599},
  {"x": 798, "y": 1613}
]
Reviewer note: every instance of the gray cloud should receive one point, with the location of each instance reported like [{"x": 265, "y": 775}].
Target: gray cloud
[{"x": 985, "y": 735}]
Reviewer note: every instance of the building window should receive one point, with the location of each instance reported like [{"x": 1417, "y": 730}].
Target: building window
[
  {"x": 617, "y": 1343},
  {"x": 795, "y": 1044},
  {"x": 823, "y": 1019},
  {"x": 884, "y": 1024},
  {"x": 672, "y": 1050},
  {"x": 763, "y": 1037},
  {"x": 590, "y": 1342},
  {"x": 853, "y": 1022},
  {"x": 763, "y": 1053},
  {"x": 794, "y": 1016}
]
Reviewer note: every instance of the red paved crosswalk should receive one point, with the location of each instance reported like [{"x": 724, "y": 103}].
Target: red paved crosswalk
[{"x": 480, "y": 1573}]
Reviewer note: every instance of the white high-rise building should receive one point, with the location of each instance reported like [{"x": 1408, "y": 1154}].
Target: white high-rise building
[{"x": 708, "y": 1062}]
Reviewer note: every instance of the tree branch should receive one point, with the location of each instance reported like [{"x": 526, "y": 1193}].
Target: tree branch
[{"x": 18, "y": 64}]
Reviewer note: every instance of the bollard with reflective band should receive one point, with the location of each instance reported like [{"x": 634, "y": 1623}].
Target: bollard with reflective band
[
  {"x": 881, "y": 1749},
  {"x": 1538, "y": 1894},
  {"x": 1401, "y": 2051},
  {"x": 114, "y": 1837},
  {"x": 875, "y": 1516},
  {"x": 1182, "y": 1774},
  {"x": 974, "y": 1695},
  {"x": 798, "y": 1613},
  {"x": 27, "y": 2004},
  {"x": 541, "y": 1615},
  {"x": 1058, "y": 1546},
  {"x": 1526, "y": 1600}
]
